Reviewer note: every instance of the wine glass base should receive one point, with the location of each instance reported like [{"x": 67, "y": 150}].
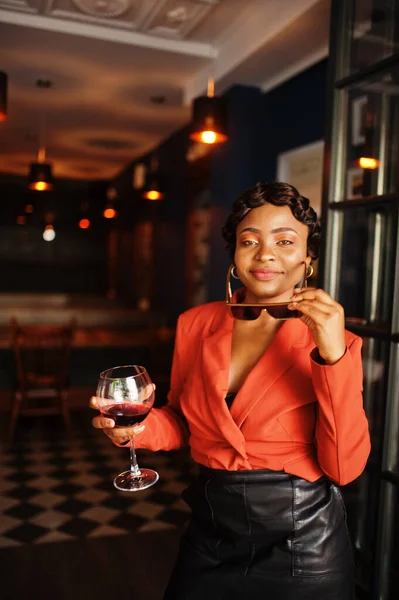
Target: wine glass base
[{"x": 128, "y": 482}]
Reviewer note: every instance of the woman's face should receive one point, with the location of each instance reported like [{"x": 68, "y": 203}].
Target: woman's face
[{"x": 271, "y": 253}]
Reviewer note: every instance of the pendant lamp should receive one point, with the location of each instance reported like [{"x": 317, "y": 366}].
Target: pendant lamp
[
  {"x": 153, "y": 188},
  {"x": 209, "y": 117},
  {"x": 3, "y": 96},
  {"x": 40, "y": 176}
]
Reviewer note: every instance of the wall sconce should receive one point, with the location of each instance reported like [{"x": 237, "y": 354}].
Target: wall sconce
[{"x": 367, "y": 160}]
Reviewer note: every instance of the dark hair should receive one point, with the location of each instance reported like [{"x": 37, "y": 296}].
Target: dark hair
[{"x": 279, "y": 194}]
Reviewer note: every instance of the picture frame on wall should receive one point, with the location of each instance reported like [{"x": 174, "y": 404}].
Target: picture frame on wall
[
  {"x": 302, "y": 167},
  {"x": 359, "y": 120},
  {"x": 354, "y": 183}
]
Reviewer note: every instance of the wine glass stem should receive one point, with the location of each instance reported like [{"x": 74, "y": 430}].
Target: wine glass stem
[{"x": 133, "y": 461}]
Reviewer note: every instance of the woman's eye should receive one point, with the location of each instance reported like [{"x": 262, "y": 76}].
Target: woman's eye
[
  {"x": 285, "y": 242},
  {"x": 248, "y": 242}
]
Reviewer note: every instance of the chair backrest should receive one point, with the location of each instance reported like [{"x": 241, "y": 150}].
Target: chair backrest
[{"x": 42, "y": 354}]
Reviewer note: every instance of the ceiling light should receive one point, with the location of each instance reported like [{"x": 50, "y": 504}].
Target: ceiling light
[
  {"x": 109, "y": 212},
  {"x": 3, "y": 96},
  {"x": 153, "y": 187},
  {"x": 48, "y": 233},
  {"x": 209, "y": 118},
  {"x": 153, "y": 195},
  {"x": 40, "y": 176},
  {"x": 84, "y": 223}
]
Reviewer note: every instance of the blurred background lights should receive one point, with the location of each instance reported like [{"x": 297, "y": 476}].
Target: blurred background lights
[
  {"x": 368, "y": 163},
  {"x": 109, "y": 212},
  {"x": 48, "y": 233},
  {"x": 84, "y": 223},
  {"x": 208, "y": 137}
]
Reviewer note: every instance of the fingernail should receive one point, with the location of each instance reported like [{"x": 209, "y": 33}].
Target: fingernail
[{"x": 109, "y": 423}]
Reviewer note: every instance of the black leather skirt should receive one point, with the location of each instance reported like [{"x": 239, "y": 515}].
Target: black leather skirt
[{"x": 263, "y": 535}]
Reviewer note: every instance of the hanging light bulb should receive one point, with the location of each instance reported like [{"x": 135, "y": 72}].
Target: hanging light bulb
[
  {"x": 3, "y": 96},
  {"x": 40, "y": 176},
  {"x": 84, "y": 224},
  {"x": 84, "y": 221},
  {"x": 153, "y": 194},
  {"x": 49, "y": 233},
  {"x": 109, "y": 211},
  {"x": 153, "y": 188},
  {"x": 209, "y": 117}
]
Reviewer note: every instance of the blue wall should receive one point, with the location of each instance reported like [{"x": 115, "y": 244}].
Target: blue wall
[{"x": 295, "y": 114}]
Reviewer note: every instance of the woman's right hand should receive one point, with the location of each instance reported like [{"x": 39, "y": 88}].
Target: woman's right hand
[{"x": 118, "y": 435}]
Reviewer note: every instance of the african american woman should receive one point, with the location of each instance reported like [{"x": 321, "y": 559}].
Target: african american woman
[{"x": 266, "y": 389}]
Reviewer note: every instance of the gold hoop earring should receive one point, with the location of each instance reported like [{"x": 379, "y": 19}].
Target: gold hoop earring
[
  {"x": 310, "y": 272},
  {"x": 234, "y": 275}
]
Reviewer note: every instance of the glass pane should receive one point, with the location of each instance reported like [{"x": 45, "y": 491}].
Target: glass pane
[
  {"x": 391, "y": 451},
  {"x": 367, "y": 255},
  {"x": 394, "y": 574},
  {"x": 375, "y": 363},
  {"x": 363, "y": 141},
  {"x": 374, "y": 34},
  {"x": 372, "y": 140},
  {"x": 361, "y": 498}
]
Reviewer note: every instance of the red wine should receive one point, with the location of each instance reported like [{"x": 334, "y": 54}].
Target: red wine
[{"x": 126, "y": 414}]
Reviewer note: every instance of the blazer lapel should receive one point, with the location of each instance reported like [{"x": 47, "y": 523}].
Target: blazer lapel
[
  {"x": 277, "y": 359},
  {"x": 216, "y": 356}
]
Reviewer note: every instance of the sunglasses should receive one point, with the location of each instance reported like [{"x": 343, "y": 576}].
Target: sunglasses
[{"x": 251, "y": 312}]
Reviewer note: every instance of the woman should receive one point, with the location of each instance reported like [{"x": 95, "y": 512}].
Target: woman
[{"x": 272, "y": 410}]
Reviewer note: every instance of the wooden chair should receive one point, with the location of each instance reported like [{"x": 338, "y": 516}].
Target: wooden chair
[{"x": 42, "y": 363}]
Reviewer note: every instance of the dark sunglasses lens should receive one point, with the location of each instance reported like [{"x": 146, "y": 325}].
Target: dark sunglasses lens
[
  {"x": 281, "y": 311},
  {"x": 245, "y": 313}
]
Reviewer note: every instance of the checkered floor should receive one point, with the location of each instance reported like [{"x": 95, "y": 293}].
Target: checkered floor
[{"x": 53, "y": 489}]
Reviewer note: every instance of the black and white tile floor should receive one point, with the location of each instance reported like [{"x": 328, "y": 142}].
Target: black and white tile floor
[{"x": 53, "y": 489}]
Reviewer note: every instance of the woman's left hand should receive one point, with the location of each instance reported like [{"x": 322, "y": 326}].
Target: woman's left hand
[{"x": 325, "y": 319}]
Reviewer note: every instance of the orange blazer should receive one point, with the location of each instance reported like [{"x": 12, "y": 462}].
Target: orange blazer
[{"x": 291, "y": 413}]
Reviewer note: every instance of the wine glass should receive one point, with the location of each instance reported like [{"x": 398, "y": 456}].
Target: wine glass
[{"x": 126, "y": 395}]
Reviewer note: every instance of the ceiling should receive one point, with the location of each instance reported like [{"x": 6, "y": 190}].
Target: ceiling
[{"x": 124, "y": 72}]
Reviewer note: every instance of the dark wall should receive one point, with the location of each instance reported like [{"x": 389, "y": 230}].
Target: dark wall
[
  {"x": 74, "y": 262},
  {"x": 170, "y": 222},
  {"x": 294, "y": 114}
]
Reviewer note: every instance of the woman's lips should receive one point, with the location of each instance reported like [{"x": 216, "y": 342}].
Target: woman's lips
[{"x": 264, "y": 274}]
